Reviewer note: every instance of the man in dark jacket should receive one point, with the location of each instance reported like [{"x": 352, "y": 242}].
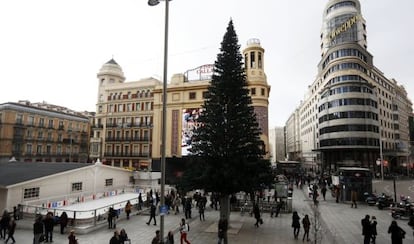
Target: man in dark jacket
[
  {"x": 152, "y": 214},
  {"x": 37, "y": 229},
  {"x": 49, "y": 223},
  {"x": 366, "y": 229}
]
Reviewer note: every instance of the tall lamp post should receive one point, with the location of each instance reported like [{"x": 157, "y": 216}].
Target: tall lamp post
[
  {"x": 164, "y": 113},
  {"x": 382, "y": 160}
]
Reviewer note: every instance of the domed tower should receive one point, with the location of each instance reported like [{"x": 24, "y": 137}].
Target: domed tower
[
  {"x": 259, "y": 89},
  {"x": 110, "y": 73}
]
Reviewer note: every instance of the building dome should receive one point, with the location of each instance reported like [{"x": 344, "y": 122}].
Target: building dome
[{"x": 111, "y": 68}]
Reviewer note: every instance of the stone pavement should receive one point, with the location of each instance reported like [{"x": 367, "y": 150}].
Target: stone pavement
[{"x": 338, "y": 223}]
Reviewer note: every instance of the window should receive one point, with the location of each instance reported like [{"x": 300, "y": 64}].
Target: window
[
  {"x": 263, "y": 91},
  {"x": 253, "y": 91},
  {"x": 259, "y": 61},
  {"x": 31, "y": 192},
  {"x": 205, "y": 94},
  {"x": 192, "y": 95},
  {"x": 41, "y": 122},
  {"x": 252, "y": 60},
  {"x": 39, "y": 149},
  {"x": 30, "y": 120},
  {"x": 19, "y": 118},
  {"x": 29, "y": 149},
  {"x": 50, "y": 123},
  {"x": 77, "y": 186},
  {"x": 109, "y": 182}
]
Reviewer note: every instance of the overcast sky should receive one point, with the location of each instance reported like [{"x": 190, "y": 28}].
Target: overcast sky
[{"x": 51, "y": 50}]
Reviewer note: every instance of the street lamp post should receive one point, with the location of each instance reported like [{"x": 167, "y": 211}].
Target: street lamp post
[
  {"x": 164, "y": 113},
  {"x": 382, "y": 160}
]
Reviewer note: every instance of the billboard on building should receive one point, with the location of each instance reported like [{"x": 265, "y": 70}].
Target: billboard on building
[
  {"x": 189, "y": 124},
  {"x": 203, "y": 72}
]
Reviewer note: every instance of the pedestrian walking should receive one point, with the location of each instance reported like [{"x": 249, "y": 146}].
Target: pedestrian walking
[
  {"x": 184, "y": 229},
  {"x": 110, "y": 218},
  {"x": 37, "y": 230},
  {"x": 11, "y": 230},
  {"x": 170, "y": 237},
  {"x": 373, "y": 229},
  {"x": 397, "y": 233},
  {"x": 4, "y": 224},
  {"x": 115, "y": 238},
  {"x": 123, "y": 236},
  {"x": 49, "y": 223},
  {"x": 295, "y": 224},
  {"x": 354, "y": 198},
  {"x": 63, "y": 221},
  {"x": 140, "y": 201},
  {"x": 323, "y": 191},
  {"x": 157, "y": 238},
  {"x": 223, "y": 226},
  {"x": 256, "y": 212},
  {"x": 152, "y": 214},
  {"x": 187, "y": 207},
  {"x": 306, "y": 226},
  {"x": 366, "y": 229},
  {"x": 337, "y": 193},
  {"x": 128, "y": 207},
  {"x": 72, "y": 238}
]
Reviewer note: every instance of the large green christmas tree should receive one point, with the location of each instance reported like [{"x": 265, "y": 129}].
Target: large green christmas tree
[{"x": 226, "y": 149}]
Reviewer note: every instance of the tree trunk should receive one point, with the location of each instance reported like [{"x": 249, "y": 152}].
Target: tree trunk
[{"x": 225, "y": 212}]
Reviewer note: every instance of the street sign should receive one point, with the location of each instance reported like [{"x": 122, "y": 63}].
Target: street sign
[{"x": 163, "y": 210}]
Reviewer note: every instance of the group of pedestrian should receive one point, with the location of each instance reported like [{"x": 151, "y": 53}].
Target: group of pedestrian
[
  {"x": 7, "y": 225},
  {"x": 43, "y": 227},
  {"x": 369, "y": 231},
  {"x": 296, "y": 223},
  {"x": 119, "y": 237}
]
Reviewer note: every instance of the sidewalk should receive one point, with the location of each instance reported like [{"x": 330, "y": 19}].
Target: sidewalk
[{"x": 343, "y": 222}]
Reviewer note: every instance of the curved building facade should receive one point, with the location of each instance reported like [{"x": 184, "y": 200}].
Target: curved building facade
[{"x": 352, "y": 107}]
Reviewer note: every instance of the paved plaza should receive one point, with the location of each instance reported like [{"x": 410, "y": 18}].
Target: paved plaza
[{"x": 338, "y": 223}]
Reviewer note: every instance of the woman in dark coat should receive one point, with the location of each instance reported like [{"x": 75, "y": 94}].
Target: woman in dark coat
[
  {"x": 295, "y": 224},
  {"x": 256, "y": 212},
  {"x": 63, "y": 220},
  {"x": 374, "y": 232},
  {"x": 397, "y": 234}
]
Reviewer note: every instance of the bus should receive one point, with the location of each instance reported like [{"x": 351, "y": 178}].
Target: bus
[
  {"x": 348, "y": 178},
  {"x": 289, "y": 168}
]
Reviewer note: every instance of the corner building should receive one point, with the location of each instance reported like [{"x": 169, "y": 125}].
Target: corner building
[
  {"x": 352, "y": 107},
  {"x": 128, "y": 124}
]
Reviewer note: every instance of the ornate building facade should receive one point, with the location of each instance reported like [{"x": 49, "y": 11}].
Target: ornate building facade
[
  {"x": 41, "y": 132},
  {"x": 128, "y": 124}
]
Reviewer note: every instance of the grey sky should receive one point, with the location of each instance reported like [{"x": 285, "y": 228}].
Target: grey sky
[{"x": 51, "y": 50}]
